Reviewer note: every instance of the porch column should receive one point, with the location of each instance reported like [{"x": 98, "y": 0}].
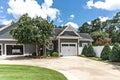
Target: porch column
[
  {"x": 78, "y": 46},
  {"x": 59, "y": 46}
]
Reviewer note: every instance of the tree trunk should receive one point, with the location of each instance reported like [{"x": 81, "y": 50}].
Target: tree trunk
[
  {"x": 44, "y": 50},
  {"x": 37, "y": 50}
]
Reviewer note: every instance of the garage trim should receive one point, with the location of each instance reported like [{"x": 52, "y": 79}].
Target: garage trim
[{"x": 14, "y": 44}]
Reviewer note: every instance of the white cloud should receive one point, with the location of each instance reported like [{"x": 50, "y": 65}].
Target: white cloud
[
  {"x": 104, "y": 18},
  {"x": 1, "y": 9},
  {"x": 72, "y": 16},
  {"x": 5, "y": 22},
  {"x": 74, "y": 25},
  {"x": 20, "y": 7},
  {"x": 107, "y": 4}
]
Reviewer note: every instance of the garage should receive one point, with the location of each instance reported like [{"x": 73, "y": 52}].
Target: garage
[
  {"x": 14, "y": 49},
  {"x": 69, "y": 49}
]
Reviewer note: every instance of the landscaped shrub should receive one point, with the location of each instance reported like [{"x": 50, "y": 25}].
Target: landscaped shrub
[
  {"x": 90, "y": 52},
  {"x": 48, "y": 54},
  {"x": 34, "y": 54},
  {"x": 84, "y": 50},
  {"x": 115, "y": 53},
  {"x": 105, "y": 52},
  {"x": 55, "y": 54}
]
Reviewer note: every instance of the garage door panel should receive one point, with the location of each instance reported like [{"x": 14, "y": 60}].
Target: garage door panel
[{"x": 69, "y": 49}]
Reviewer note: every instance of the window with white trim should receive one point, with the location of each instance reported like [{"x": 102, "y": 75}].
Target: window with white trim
[{"x": 83, "y": 44}]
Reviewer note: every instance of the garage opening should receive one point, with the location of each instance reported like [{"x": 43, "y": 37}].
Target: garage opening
[
  {"x": 0, "y": 49},
  {"x": 69, "y": 49},
  {"x": 14, "y": 49}
]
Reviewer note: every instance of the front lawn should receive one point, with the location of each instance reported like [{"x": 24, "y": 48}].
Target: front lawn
[{"x": 20, "y": 72}]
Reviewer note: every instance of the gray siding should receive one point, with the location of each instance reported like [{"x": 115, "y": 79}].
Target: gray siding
[
  {"x": 69, "y": 40},
  {"x": 29, "y": 49},
  {"x": 4, "y": 34},
  {"x": 69, "y": 33}
]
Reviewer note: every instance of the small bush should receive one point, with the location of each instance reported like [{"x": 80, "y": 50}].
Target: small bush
[
  {"x": 90, "y": 52},
  {"x": 105, "y": 52},
  {"x": 115, "y": 53},
  {"x": 48, "y": 54},
  {"x": 34, "y": 54},
  {"x": 55, "y": 54},
  {"x": 85, "y": 49}
]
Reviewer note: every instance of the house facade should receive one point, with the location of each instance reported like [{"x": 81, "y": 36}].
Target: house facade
[{"x": 66, "y": 41}]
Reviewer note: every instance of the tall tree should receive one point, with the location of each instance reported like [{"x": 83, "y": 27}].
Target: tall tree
[
  {"x": 116, "y": 20},
  {"x": 85, "y": 28},
  {"x": 116, "y": 37},
  {"x": 35, "y": 31},
  {"x": 96, "y": 25}
]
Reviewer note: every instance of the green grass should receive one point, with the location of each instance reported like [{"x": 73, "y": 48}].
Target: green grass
[
  {"x": 99, "y": 59},
  {"x": 20, "y": 72},
  {"x": 95, "y": 58}
]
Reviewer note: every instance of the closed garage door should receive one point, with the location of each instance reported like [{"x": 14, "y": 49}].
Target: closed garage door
[{"x": 69, "y": 49}]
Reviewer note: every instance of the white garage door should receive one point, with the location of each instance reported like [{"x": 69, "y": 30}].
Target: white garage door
[{"x": 69, "y": 49}]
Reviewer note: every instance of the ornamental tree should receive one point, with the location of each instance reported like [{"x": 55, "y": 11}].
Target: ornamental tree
[{"x": 35, "y": 31}]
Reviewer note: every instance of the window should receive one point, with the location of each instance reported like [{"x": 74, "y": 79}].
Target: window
[
  {"x": 72, "y": 44},
  {"x": 83, "y": 44},
  {"x": 50, "y": 47},
  {"x": 64, "y": 44}
]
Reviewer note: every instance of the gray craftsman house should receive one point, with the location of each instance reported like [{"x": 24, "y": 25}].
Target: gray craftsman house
[{"x": 66, "y": 41}]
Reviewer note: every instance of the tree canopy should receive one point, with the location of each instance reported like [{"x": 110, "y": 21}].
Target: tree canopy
[
  {"x": 99, "y": 29},
  {"x": 35, "y": 31}
]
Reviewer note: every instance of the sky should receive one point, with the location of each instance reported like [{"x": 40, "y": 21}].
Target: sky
[{"x": 62, "y": 12}]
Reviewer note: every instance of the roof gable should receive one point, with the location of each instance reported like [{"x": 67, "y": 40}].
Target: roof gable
[{"x": 68, "y": 31}]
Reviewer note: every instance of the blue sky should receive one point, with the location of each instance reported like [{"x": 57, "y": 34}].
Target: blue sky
[{"x": 63, "y": 12}]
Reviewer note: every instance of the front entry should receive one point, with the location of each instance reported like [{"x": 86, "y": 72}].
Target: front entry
[
  {"x": 14, "y": 49},
  {"x": 69, "y": 49}
]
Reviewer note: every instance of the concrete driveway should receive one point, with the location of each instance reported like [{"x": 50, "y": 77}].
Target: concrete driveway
[{"x": 74, "y": 68}]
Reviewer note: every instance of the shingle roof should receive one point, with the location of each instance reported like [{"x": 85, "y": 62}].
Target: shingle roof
[
  {"x": 2, "y": 26},
  {"x": 85, "y": 35},
  {"x": 57, "y": 31},
  {"x": 5, "y": 33}
]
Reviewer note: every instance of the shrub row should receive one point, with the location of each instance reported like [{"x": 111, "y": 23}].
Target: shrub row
[
  {"x": 54, "y": 54},
  {"x": 106, "y": 54},
  {"x": 88, "y": 51}
]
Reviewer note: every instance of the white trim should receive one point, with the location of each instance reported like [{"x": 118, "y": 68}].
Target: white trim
[
  {"x": 69, "y": 26},
  {"x": 86, "y": 40},
  {"x": 4, "y": 27},
  {"x": 84, "y": 43},
  {"x": 15, "y": 44},
  {"x": 71, "y": 37},
  {"x": 59, "y": 46},
  {"x": 8, "y": 40}
]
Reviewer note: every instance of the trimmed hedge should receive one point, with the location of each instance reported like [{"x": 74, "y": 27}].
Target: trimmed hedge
[
  {"x": 84, "y": 51},
  {"x": 115, "y": 53},
  {"x": 88, "y": 51},
  {"x": 91, "y": 52},
  {"x": 105, "y": 52}
]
